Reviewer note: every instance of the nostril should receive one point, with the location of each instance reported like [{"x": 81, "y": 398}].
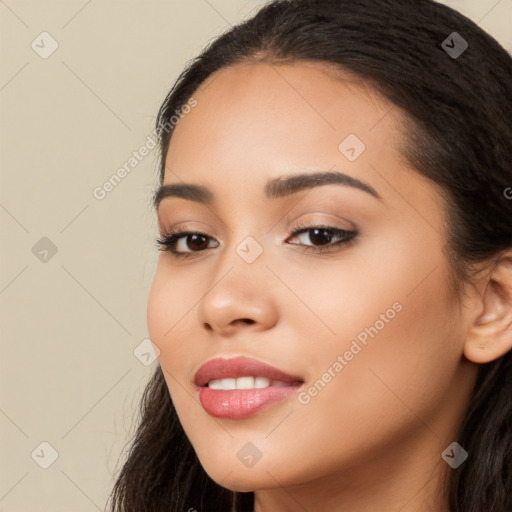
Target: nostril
[{"x": 247, "y": 321}]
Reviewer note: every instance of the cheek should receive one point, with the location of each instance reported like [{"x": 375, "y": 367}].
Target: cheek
[
  {"x": 169, "y": 303},
  {"x": 173, "y": 326},
  {"x": 391, "y": 373},
  {"x": 164, "y": 316},
  {"x": 398, "y": 332},
  {"x": 167, "y": 309},
  {"x": 167, "y": 319},
  {"x": 158, "y": 319}
]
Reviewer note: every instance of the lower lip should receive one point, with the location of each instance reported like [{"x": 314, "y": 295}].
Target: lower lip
[{"x": 240, "y": 403}]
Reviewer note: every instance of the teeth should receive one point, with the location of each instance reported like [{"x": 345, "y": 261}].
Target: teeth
[
  {"x": 245, "y": 383},
  {"x": 261, "y": 382}
]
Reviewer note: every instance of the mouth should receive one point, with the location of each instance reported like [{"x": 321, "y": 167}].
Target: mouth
[{"x": 239, "y": 387}]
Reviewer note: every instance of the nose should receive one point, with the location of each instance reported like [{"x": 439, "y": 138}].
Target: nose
[{"x": 240, "y": 296}]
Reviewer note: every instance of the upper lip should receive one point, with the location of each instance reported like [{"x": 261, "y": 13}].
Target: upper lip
[{"x": 221, "y": 368}]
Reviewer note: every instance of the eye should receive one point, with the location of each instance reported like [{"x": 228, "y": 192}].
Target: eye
[
  {"x": 328, "y": 238},
  {"x": 177, "y": 241},
  {"x": 182, "y": 244}
]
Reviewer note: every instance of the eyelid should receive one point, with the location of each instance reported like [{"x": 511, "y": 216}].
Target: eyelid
[
  {"x": 322, "y": 217},
  {"x": 303, "y": 226},
  {"x": 186, "y": 225},
  {"x": 310, "y": 219}
]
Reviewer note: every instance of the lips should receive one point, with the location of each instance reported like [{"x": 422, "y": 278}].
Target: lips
[
  {"x": 221, "y": 368},
  {"x": 240, "y": 387}
]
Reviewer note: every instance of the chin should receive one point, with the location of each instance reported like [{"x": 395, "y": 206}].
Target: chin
[{"x": 242, "y": 479}]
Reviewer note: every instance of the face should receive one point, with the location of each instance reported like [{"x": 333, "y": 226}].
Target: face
[{"x": 341, "y": 283}]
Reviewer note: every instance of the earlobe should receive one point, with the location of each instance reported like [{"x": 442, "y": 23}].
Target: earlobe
[{"x": 490, "y": 334}]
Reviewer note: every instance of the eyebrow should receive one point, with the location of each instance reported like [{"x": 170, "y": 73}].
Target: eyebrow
[{"x": 275, "y": 188}]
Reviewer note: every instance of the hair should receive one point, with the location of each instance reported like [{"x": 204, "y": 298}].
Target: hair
[{"x": 458, "y": 126}]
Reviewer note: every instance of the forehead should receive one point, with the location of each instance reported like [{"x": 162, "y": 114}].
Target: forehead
[
  {"x": 249, "y": 111},
  {"x": 255, "y": 122}
]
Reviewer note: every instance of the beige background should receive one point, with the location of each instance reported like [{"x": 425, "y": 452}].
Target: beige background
[{"x": 69, "y": 324}]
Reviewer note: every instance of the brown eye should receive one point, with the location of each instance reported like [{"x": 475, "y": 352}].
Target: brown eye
[
  {"x": 322, "y": 237},
  {"x": 183, "y": 243},
  {"x": 196, "y": 242}
]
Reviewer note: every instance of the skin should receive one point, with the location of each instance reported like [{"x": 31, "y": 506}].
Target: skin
[{"x": 372, "y": 438}]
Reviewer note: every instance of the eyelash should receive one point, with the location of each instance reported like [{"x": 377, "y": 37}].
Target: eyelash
[{"x": 168, "y": 240}]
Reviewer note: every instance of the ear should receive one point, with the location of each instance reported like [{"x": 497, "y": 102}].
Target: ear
[{"x": 490, "y": 334}]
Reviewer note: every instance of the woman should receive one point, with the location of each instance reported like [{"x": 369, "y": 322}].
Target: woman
[{"x": 333, "y": 300}]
